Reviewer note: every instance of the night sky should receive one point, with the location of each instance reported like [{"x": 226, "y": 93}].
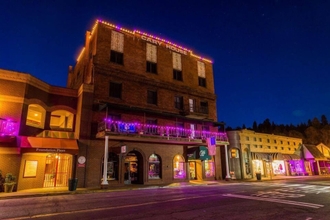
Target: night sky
[{"x": 271, "y": 57}]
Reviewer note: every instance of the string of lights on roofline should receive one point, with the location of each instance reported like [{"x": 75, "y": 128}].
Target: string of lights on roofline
[{"x": 144, "y": 34}]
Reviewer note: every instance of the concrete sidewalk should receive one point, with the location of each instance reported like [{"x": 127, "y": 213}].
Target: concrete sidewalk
[{"x": 65, "y": 191}]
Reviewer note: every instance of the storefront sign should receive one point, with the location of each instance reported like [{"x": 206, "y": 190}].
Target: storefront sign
[
  {"x": 168, "y": 46},
  {"x": 54, "y": 150}
]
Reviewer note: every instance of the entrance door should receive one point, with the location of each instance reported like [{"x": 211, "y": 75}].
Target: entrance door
[
  {"x": 192, "y": 170},
  {"x": 57, "y": 170},
  {"x": 133, "y": 170}
]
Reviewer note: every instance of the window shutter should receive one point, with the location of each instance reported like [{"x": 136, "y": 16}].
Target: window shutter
[
  {"x": 151, "y": 53},
  {"x": 176, "y": 61},
  {"x": 201, "y": 69},
  {"x": 117, "y": 41}
]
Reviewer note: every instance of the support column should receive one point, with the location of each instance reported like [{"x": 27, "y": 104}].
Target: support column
[
  {"x": 227, "y": 164},
  {"x": 105, "y": 183}
]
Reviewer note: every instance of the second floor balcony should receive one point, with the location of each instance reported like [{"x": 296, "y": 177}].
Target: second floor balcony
[{"x": 140, "y": 130}]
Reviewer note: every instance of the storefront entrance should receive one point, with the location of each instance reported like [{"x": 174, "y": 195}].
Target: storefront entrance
[
  {"x": 57, "y": 170},
  {"x": 133, "y": 168},
  {"x": 192, "y": 170}
]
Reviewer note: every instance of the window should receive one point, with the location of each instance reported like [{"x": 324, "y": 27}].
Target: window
[
  {"x": 275, "y": 147},
  {"x": 112, "y": 166},
  {"x": 179, "y": 170},
  {"x": 191, "y": 105},
  {"x": 289, "y": 148},
  {"x": 201, "y": 81},
  {"x": 177, "y": 66},
  {"x": 201, "y": 74},
  {"x": 151, "y": 54},
  {"x": 117, "y": 57},
  {"x": 36, "y": 116},
  {"x": 260, "y": 146},
  {"x": 204, "y": 107},
  {"x": 178, "y": 102},
  {"x": 254, "y": 139},
  {"x": 282, "y": 148},
  {"x": 275, "y": 141},
  {"x": 154, "y": 167},
  {"x": 61, "y": 120},
  {"x": 177, "y": 75},
  {"x": 260, "y": 139},
  {"x": 150, "y": 128},
  {"x": 255, "y": 146},
  {"x": 152, "y": 97},
  {"x": 117, "y": 47},
  {"x": 209, "y": 168},
  {"x": 268, "y": 147},
  {"x": 247, "y": 138},
  {"x": 205, "y": 128},
  {"x": 268, "y": 141},
  {"x": 115, "y": 90},
  {"x": 288, "y": 142}
]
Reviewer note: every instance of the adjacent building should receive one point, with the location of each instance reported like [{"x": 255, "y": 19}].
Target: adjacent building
[{"x": 252, "y": 152}]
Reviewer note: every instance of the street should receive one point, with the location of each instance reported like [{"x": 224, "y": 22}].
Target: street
[{"x": 282, "y": 199}]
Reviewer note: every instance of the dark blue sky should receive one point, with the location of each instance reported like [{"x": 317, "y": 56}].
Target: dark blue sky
[{"x": 271, "y": 58}]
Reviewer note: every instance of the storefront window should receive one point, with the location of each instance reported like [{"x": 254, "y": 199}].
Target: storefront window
[
  {"x": 278, "y": 167},
  {"x": 112, "y": 167},
  {"x": 258, "y": 166},
  {"x": 154, "y": 167},
  {"x": 209, "y": 168},
  {"x": 179, "y": 167}
]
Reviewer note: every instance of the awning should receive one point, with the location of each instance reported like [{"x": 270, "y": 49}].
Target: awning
[
  {"x": 291, "y": 157},
  {"x": 49, "y": 145},
  {"x": 200, "y": 153},
  {"x": 266, "y": 156}
]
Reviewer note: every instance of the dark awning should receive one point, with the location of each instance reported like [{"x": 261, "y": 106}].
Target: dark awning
[{"x": 200, "y": 153}]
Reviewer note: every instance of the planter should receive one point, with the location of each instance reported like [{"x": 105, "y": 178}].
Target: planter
[{"x": 8, "y": 187}]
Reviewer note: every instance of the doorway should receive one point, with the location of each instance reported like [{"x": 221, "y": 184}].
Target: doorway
[
  {"x": 192, "y": 170},
  {"x": 57, "y": 170},
  {"x": 133, "y": 167}
]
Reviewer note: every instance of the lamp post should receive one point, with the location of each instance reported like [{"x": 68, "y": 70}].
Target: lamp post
[{"x": 227, "y": 164}]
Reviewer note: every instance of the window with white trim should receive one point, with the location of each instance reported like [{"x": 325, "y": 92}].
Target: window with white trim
[
  {"x": 36, "y": 116},
  {"x": 117, "y": 47},
  {"x": 201, "y": 74},
  {"x": 151, "y": 54},
  {"x": 177, "y": 66}
]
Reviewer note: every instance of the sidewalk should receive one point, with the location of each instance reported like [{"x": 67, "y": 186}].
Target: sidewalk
[{"x": 64, "y": 190}]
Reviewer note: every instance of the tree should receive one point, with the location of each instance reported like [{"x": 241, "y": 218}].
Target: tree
[{"x": 324, "y": 120}]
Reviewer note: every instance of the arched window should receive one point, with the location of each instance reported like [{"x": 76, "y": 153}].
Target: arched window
[
  {"x": 154, "y": 167},
  {"x": 179, "y": 167},
  {"x": 36, "y": 116},
  {"x": 61, "y": 120}
]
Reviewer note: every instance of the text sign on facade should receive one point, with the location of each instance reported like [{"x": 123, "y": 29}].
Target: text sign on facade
[{"x": 123, "y": 149}]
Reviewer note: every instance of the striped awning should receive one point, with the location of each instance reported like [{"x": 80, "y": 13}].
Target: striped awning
[
  {"x": 266, "y": 156},
  {"x": 291, "y": 157}
]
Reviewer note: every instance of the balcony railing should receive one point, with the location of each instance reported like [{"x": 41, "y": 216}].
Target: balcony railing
[
  {"x": 7, "y": 127},
  {"x": 156, "y": 130}
]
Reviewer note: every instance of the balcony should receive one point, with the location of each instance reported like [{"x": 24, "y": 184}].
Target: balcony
[
  {"x": 197, "y": 112},
  {"x": 56, "y": 134},
  {"x": 156, "y": 133}
]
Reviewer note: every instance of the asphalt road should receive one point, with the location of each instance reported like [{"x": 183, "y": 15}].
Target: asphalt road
[{"x": 294, "y": 199}]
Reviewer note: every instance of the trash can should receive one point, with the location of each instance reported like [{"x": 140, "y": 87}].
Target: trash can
[
  {"x": 73, "y": 184},
  {"x": 258, "y": 176}
]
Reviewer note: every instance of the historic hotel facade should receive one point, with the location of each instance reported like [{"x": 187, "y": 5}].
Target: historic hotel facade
[{"x": 137, "y": 110}]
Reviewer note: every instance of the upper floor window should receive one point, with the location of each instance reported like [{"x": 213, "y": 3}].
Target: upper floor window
[
  {"x": 115, "y": 90},
  {"x": 117, "y": 47},
  {"x": 36, "y": 116},
  {"x": 62, "y": 120},
  {"x": 201, "y": 74},
  {"x": 151, "y": 55},
  {"x": 178, "y": 102},
  {"x": 204, "y": 107},
  {"x": 152, "y": 97},
  {"x": 177, "y": 66},
  {"x": 247, "y": 138}
]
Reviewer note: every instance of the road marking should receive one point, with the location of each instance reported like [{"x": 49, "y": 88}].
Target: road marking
[
  {"x": 310, "y": 205},
  {"x": 110, "y": 208}
]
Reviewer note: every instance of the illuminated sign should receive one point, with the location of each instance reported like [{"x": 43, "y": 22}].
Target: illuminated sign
[{"x": 168, "y": 46}]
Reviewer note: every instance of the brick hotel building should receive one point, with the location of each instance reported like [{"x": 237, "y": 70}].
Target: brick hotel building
[{"x": 137, "y": 110}]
